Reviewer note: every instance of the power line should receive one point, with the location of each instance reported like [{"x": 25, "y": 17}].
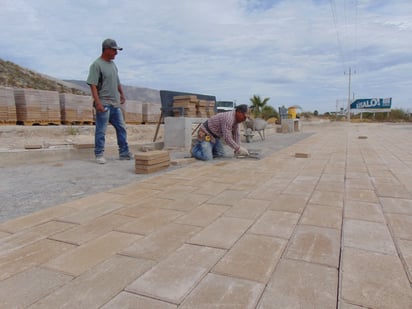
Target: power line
[{"x": 334, "y": 15}]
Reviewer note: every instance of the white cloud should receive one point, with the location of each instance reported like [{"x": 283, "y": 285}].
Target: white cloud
[{"x": 295, "y": 51}]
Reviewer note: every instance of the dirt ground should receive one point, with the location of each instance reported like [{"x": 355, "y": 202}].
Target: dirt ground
[{"x": 17, "y": 137}]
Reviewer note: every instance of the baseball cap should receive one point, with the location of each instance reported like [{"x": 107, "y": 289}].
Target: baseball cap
[
  {"x": 110, "y": 43},
  {"x": 242, "y": 108}
]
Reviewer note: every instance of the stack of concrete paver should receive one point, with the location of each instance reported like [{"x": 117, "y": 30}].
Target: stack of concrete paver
[
  {"x": 151, "y": 161},
  {"x": 191, "y": 106},
  {"x": 133, "y": 112},
  {"x": 206, "y": 108},
  {"x": 7, "y": 106},
  {"x": 185, "y": 105},
  {"x": 37, "y": 106},
  {"x": 151, "y": 112},
  {"x": 76, "y": 109}
]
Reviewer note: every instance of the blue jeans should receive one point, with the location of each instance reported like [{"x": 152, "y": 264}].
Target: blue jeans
[
  {"x": 114, "y": 116},
  {"x": 206, "y": 151}
]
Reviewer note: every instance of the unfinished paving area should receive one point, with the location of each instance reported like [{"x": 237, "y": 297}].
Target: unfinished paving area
[{"x": 329, "y": 229}]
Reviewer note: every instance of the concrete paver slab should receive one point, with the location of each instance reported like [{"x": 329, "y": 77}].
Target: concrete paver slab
[
  {"x": 370, "y": 236},
  {"x": 33, "y": 234},
  {"x": 98, "y": 285},
  {"x": 322, "y": 216},
  {"x": 401, "y": 225},
  {"x": 222, "y": 233},
  {"x": 296, "y": 284},
  {"x": 253, "y": 257},
  {"x": 328, "y": 198},
  {"x": 173, "y": 278},
  {"x": 316, "y": 245},
  {"x": 38, "y": 253},
  {"x": 364, "y": 211},
  {"x": 276, "y": 223},
  {"x": 405, "y": 247},
  {"x": 231, "y": 292},
  {"x": 374, "y": 280},
  {"x": 228, "y": 197},
  {"x": 286, "y": 202},
  {"x": 203, "y": 215},
  {"x": 29, "y": 286},
  {"x": 396, "y": 205},
  {"x": 161, "y": 242},
  {"x": 22, "y": 223},
  {"x": 361, "y": 195},
  {"x": 150, "y": 222},
  {"x": 248, "y": 209},
  {"x": 129, "y": 301},
  {"x": 80, "y": 259},
  {"x": 80, "y": 234}
]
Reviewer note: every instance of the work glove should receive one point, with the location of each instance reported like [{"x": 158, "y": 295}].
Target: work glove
[{"x": 242, "y": 151}]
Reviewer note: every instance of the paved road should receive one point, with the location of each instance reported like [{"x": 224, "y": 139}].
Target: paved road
[{"x": 333, "y": 230}]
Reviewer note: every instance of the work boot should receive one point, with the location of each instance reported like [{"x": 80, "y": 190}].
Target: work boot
[{"x": 127, "y": 156}]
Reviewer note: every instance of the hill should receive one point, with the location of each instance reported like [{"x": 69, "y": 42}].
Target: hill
[
  {"x": 15, "y": 76},
  {"x": 141, "y": 94}
]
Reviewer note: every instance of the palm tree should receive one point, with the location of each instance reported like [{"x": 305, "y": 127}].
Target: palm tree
[{"x": 257, "y": 104}]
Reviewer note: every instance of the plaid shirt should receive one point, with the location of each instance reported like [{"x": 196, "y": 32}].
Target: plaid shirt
[{"x": 224, "y": 126}]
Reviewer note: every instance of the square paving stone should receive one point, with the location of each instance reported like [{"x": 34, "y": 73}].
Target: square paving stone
[
  {"x": 374, "y": 280},
  {"x": 316, "y": 245},
  {"x": 174, "y": 277},
  {"x": 217, "y": 291},
  {"x": 368, "y": 235},
  {"x": 296, "y": 284},
  {"x": 276, "y": 223},
  {"x": 253, "y": 257}
]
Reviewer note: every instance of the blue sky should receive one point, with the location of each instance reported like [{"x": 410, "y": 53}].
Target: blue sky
[{"x": 295, "y": 52}]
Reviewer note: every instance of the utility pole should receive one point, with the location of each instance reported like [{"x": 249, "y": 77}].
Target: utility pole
[{"x": 349, "y": 101}]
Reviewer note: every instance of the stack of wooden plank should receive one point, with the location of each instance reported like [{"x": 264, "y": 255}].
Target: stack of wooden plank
[
  {"x": 191, "y": 106},
  {"x": 133, "y": 112},
  {"x": 76, "y": 109},
  {"x": 7, "y": 106},
  {"x": 37, "y": 106},
  {"x": 151, "y": 161}
]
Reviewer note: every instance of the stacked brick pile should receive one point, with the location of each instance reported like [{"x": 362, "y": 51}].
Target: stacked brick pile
[
  {"x": 191, "y": 106},
  {"x": 151, "y": 113},
  {"x": 37, "y": 106},
  {"x": 7, "y": 106},
  {"x": 133, "y": 112},
  {"x": 76, "y": 109},
  {"x": 206, "y": 108},
  {"x": 151, "y": 161}
]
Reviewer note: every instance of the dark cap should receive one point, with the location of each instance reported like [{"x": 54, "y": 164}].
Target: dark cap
[
  {"x": 242, "y": 108},
  {"x": 110, "y": 43}
]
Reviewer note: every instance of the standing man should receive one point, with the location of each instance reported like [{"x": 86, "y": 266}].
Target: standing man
[
  {"x": 223, "y": 125},
  {"x": 108, "y": 94}
]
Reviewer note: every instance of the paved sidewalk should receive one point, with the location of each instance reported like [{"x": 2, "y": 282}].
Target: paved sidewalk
[{"x": 333, "y": 230}]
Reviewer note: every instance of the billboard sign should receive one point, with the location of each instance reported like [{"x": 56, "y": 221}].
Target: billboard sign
[{"x": 375, "y": 103}]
